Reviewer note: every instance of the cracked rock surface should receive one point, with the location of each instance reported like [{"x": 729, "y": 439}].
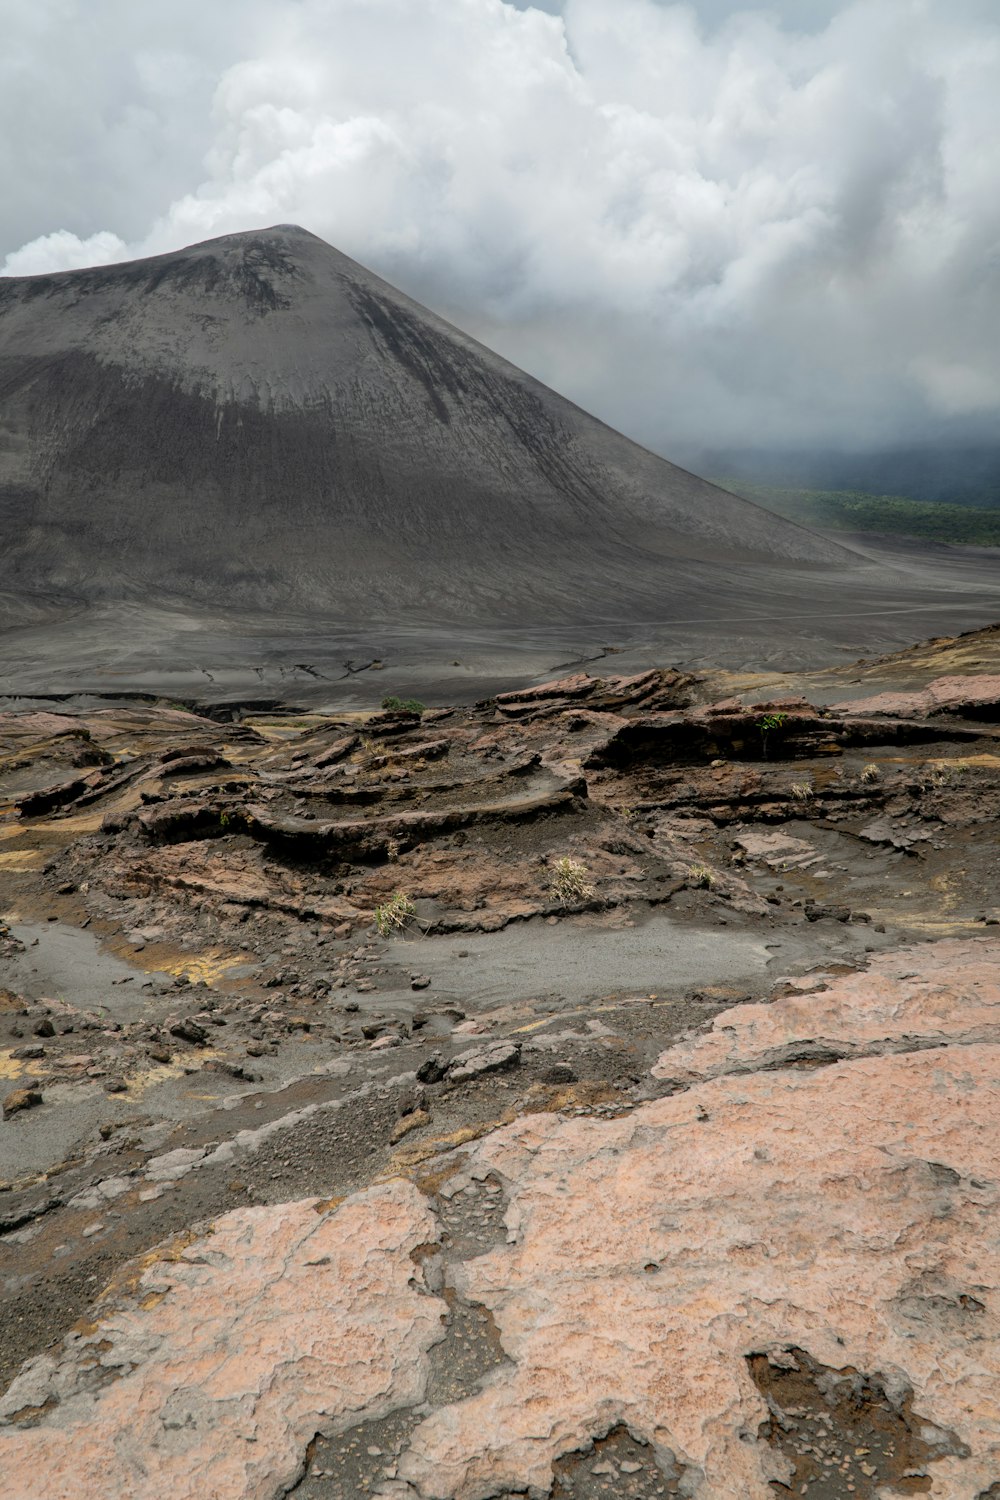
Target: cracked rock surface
[
  {"x": 907, "y": 1000},
  {"x": 214, "y": 1372},
  {"x": 848, "y": 1211}
]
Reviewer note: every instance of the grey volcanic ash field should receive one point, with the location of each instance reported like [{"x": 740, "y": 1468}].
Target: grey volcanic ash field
[{"x": 251, "y": 467}]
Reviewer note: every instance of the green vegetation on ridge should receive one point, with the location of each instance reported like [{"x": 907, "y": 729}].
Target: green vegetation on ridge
[{"x": 853, "y": 510}]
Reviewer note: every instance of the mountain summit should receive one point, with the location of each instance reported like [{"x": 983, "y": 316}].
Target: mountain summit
[{"x": 258, "y": 422}]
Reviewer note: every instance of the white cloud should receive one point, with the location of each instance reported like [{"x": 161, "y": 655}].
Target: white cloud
[
  {"x": 958, "y": 389},
  {"x": 63, "y": 251},
  {"x": 701, "y": 222}
]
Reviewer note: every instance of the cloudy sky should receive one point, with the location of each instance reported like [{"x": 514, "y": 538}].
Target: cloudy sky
[{"x": 711, "y": 223}]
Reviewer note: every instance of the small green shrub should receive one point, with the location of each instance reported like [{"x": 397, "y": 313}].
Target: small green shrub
[
  {"x": 393, "y": 915},
  {"x": 768, "y": 725},
  {"x": 570, "y": 881},
  {"x": 395, "y": 705}
]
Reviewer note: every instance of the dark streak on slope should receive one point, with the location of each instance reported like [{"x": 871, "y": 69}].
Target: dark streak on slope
[{"x": 402, "y": 337}]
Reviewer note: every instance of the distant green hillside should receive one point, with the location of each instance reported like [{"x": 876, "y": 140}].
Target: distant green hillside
[{"x": 853, "y": 510}]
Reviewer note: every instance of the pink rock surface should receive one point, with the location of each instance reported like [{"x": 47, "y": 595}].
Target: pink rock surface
[
  {"x": 850, "y": 1211},
  {"x": 210, "y": 1382},
  {"x": 41, "y": 723},
  {"x": 652, "y": 1254},
  {"x": 915, "y": 997},
  {"x": 943, "y": 695}
]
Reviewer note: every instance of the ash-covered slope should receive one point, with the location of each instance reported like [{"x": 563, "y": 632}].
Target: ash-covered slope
[{"x": 259, "y": 422}]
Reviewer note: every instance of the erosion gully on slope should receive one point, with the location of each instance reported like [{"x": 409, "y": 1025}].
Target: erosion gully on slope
[{"x": 197, "y": 1013}]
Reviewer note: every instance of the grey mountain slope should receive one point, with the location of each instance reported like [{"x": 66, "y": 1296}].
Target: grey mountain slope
[{"x": 258, "y": 422}]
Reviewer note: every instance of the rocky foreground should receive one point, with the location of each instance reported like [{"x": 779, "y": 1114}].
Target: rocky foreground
[{"x": 591, "y": 1093}]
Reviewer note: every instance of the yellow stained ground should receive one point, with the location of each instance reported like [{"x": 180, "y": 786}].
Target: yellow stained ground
[{"x": 19, "y": 860}]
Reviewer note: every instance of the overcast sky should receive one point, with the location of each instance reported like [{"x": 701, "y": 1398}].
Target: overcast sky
[{"x": 711, "y": 223}]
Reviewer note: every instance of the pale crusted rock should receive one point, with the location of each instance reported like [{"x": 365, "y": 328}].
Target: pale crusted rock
[
  {"x": 885, "y": 831},
  {"x": 846, "y": 1212},
  {"x": 101, "y": 1192},
  {"x": 777, "y": 848},
  {"x": 281, "y": 1323},
  {"x": 175, "y": 1164},
  {"x": 975, "y": 696},
  {"x": 925, "y": 996},
  {"x": 492, "y": 1058}
]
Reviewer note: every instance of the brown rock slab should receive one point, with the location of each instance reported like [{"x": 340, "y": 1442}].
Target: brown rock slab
[
  {"x": 652, "y": 689},
  {"x": 187, "y": 1030},
  {"x": 19, "y": 1100},
  {"x": 337, "y": 751}
]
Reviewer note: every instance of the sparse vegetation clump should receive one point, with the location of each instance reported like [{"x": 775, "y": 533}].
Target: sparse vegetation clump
[
  {"x": 393, "y": 915},
  {"x": 946, "y": 775},
  {"x": 768, "y": 725},
  {"x": 871, "y": 773},
  {"x": 801, "y": 791},
  {"x": 395, "y": 705},
  {"x": 702, "y": 877},
  {"x": 571, "y": 881}
]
